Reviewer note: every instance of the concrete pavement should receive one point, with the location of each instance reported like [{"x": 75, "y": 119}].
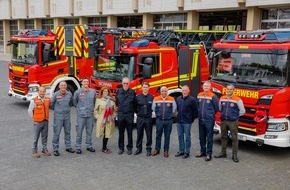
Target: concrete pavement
[{"x": 5, "y": 56}]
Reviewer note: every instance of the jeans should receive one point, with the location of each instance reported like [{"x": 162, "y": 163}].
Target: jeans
[
  {"x": 57, "y": 126},
  {"x": 206, "y": 136},
  {"x": 161, "y": 125},
  {"x": 83, "y": 122},
  {"x": 184, "y": 129}
]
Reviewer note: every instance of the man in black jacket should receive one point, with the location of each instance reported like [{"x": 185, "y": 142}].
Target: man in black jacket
[
  {"x": 144, "y": 118},
  {"x": 125, "y": 100}
]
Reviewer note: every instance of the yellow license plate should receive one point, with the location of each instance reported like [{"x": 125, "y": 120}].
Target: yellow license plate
[{"x": 17, "y": 68}]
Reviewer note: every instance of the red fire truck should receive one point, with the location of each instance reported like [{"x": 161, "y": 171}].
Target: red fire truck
[
  {"x": 34, "y": 63},
  {"x": 162, "y": 58},
  {"x": 257, "y": 64},
  {"x": 41, "y": 57}
]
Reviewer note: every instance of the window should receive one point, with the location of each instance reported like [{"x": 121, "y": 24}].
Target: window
[
  {"x": 1, "y": 34},
  {"x": 170, "y": 21},
  {"x": 97, "y": 21},
  {"x": 47, "y": 24},
  {"x": 155, "y": 65},
  {"x": 71, "y": 21},
  {"x": 13, "y": 27},
  {"x": 275, "y": 18},
  {"x": 28, "y": 24}
]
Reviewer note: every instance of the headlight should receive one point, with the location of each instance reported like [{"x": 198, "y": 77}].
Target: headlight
[
  {"x": 276, "y": 127},
  {"x": 267, "y": 97},
  {"x": 32, "y": 89}
]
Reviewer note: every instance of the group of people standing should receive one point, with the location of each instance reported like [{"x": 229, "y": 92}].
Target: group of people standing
[{"x": 105, "y": 110}]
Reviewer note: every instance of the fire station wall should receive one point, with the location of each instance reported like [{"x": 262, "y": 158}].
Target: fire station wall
[
  {"x": 193, "y": 20},
  {"x": 210, "y": 4},
  {"x": 267, "y": 2},
  {"x": 253, "y": 18},
  {"x": 63, "y": 8},
  {"x": 118, "y": 7},
  {"x": 149, "y": 6},
  {"x": 5, "y": 10},
  {"x": 147, "y": 21},
  {"x": 38, "y": 9},
  {"x": 6, "y": 31},
  {"x": 87, "y": 7},
  {"x": 19, "y": 9}
]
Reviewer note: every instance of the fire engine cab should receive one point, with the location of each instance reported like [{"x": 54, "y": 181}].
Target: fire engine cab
[
  {"x": 165, "y": 57},
  {"x": 257, "y": 64},
  {"x": 44, "y": 58}
]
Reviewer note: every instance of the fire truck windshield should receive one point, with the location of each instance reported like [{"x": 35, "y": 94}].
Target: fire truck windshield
[
  {"x": 252, "y": 68},
  {"x": 24, "y": 53},
  {"x": 114, "y": 67}
]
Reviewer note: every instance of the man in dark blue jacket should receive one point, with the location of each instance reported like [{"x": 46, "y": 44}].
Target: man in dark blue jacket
[
  {"x": 187, "y": 112},
  {"x": 207, "y": 108}
]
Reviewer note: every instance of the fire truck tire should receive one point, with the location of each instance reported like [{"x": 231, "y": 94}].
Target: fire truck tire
[{"x": 71, "y": 89}]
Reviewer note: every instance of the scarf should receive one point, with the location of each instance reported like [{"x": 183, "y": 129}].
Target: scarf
[{"x": 108, "y": 114}]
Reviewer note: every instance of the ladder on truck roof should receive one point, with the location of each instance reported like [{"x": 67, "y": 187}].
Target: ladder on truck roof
[{"x": 185, "y": 37}]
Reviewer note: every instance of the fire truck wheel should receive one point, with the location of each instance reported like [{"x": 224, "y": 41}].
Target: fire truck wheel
[{"x": 71, "y": 89}]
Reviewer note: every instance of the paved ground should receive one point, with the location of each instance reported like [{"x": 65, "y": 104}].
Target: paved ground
[{"x": 259, "y": 167}]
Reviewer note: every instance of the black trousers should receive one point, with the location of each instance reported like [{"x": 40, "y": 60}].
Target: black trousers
[
  {"x": 144, "y": 123},
  {"x": 125, "y": 122}
]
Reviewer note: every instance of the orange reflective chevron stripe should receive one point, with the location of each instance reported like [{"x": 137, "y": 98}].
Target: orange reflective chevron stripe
[
  {"x": 59, "y": 42},
  {"x": 86, "y": 47},
  {"x": 79, "y": 32}
]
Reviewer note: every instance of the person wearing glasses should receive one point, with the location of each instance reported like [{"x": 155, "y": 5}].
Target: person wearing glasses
[
  {"x": 144, "y": 118},
  {"x": 84, "y": 101},
  {"x": 231, "y": 108},
  {"x": 125, "y": 101}
]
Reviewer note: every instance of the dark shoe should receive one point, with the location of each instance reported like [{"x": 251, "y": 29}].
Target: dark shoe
[
  {"x": 56, "y": 153},
  {"x": 107, "y": 151},
  {"x": 207, "y": 158},
  {"x": 179, "y": 154},
  {"x": 198, "y": 155},
  {"x": 221, "y": 155},
  {"x": 45, "y": 153},
  {"x": 91, "y": 149},
  {"x": 155, "y": 152},
  {"x": 235, "y": 158},
  {"x": 149, "y": 153},
  {"x": 137, "y": 152},
  {"x": 129, "y": 152},
  {"x": 79, "y": 151},
  {"x": 121, "y": 151},
  {"x": 186, "y": 155},
  {"x": 70, "y": 150},
  {"x": 166, "y": 155}
]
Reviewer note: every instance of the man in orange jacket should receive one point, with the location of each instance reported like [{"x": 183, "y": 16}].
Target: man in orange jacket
[{"x": 39, "y": 112}]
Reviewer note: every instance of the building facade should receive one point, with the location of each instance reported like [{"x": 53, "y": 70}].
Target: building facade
[{"x": 146, "y": 14}]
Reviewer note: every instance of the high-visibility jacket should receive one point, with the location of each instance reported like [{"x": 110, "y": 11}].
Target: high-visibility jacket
[{"x": 41, "y": 109}]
